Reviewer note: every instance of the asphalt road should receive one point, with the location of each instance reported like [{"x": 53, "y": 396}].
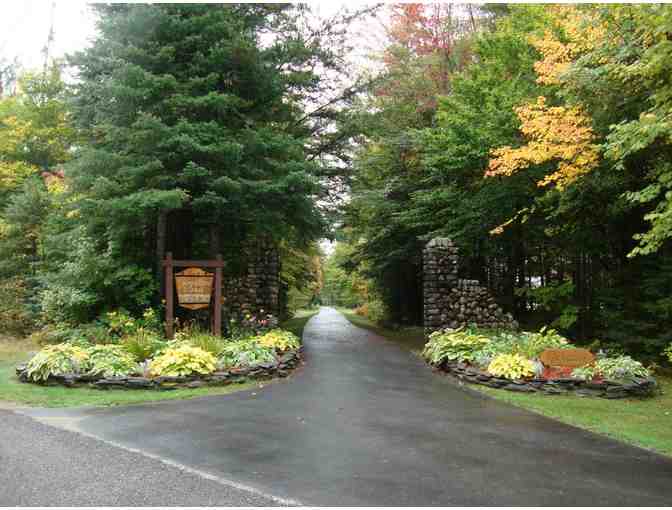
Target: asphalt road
[
  {"x": 362, "y": 423},
  {"x": 42, "y": 465}
]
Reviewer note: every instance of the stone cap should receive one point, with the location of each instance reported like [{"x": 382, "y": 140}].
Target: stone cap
[{"x": 440, "y": 242}]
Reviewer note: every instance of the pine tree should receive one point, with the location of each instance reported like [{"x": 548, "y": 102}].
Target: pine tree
[{"x": 194, "y": 110}]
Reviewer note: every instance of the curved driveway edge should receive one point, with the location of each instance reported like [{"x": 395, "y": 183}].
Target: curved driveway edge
[{"x": 366, "y": 423}]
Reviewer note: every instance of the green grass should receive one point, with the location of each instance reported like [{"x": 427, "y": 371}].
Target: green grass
[
  {"x": 13, "y": 392},
  {"x": 298, "y": 322},
  {"x": 411, "y": 338},
  {"x": 646, "y": 423}
]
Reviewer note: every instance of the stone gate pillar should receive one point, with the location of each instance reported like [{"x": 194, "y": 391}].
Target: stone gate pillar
[
  {"x": 452, "y": 302},
  {"x": 439, "y": 265},
  {"x": 258, "y": 287}
]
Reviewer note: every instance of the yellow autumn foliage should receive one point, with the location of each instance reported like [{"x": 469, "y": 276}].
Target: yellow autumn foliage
[
  {"x": 554, "y": 133},
  {"x": 581, "y": 32}
]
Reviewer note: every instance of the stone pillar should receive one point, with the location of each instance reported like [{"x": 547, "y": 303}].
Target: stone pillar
[
  {"x": 439, "y": 263},
  {"x": 452, "y": 302},
  {"x": 258, "y": 288}
]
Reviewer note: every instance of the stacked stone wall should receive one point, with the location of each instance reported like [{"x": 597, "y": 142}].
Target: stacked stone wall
[
  {"x": 451, "y": 302},
  {"x": 258, "y": 288}
]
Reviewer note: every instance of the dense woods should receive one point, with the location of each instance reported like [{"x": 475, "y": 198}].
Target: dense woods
[
  {"x": 538, "y": 139},
  {"x": 187, "y": 128}
]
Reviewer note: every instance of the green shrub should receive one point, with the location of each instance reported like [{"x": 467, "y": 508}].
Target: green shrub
[
  {"x": 57, "y": 359},
  {"x": 182, "y": 360},
  {"x": 668, "y": 353},
  {"x": 454, "y": 345},
  {"x": 142, "y": 344},
  {"x": 110, "y": 361},
  {"x": 511, "y": 366},
  {"x": 622, "y": 367},
  {"x": 15, "y": 315},
  {"x": 92, "y": 333},
  {"x": 376, "y": 311},
  {"x": 245, "y": 353},
  {"x": 121, "y": 323},
  {"x": 527, "y": 344},
  {"x": 83, "y": 335},
  {"x": 280, "y": 340},
  {"x": 49, "y": 334}
]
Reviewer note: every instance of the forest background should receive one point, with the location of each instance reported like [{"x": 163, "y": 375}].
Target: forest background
[{"x": 537, "y": 137}]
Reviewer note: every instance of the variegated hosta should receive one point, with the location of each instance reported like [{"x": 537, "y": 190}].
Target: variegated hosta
[
  {"x": 183, "y": 360},
  {"x": 454, "y": 345},
  {"x": 245, "y": 353},
  {"x": 110, "y": 360},
  {"x": 622, "y": 367},
  {"x": 279, "y": 340},
  {"x": 511, "y": 366},
  {"x": 57, "y": 359}
]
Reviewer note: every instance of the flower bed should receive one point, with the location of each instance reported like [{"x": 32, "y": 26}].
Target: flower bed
[
  {"x": 139, "y": 358},
  {"x": 636, "y": 387},
  {"x": 512, "y": 361},
  {"x": 281, "y": 367}
]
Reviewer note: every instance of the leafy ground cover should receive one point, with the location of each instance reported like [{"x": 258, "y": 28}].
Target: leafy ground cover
[
  {"x": 13, "y": 392},
  {"x": 646, "y": 423}
]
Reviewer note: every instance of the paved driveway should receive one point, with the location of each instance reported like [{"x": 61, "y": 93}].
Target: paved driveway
[{"x": 367, "y": 423}]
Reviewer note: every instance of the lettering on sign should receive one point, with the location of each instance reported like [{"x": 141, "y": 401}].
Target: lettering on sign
[
  {"x": 571, "y": 358},
  {"x": 194, "y": 288}
]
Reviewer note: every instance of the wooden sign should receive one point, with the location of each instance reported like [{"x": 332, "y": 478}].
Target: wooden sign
[
  {"x": 194, "y": 293},
  {"x": 194, "y": 288},
  {"x": 571, "y": 358}
]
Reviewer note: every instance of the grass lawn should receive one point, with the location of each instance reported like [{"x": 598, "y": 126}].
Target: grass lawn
[
  {"x": 298, "y": 322},
  {"x": 13, "y": 351},
  {"x": 646, "y": 423}
]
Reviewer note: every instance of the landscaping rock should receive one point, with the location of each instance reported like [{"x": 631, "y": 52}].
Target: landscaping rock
[
  {"x": 139, "y": 382},
  {"x": 170, "y": 379},
  {"x": 561, "y": 386},
  {"x": 522, "y": 388}
]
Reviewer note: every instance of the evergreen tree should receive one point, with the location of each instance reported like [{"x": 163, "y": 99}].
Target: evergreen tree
[{"x": 184, "y": 108}]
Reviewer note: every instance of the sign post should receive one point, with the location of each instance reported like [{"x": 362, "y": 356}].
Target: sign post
[{"x": 194, "y": 289}]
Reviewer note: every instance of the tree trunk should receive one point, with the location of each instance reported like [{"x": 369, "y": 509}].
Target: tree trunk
[{"x": 161, "y": 233}]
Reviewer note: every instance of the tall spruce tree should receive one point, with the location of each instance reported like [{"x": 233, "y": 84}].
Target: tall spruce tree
[{"x": 196, "y": 109}]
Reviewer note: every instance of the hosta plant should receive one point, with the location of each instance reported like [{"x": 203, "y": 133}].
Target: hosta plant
[
  {"x": 454, "y": 345},
  {"x": 511, "y": 366},
  {"x": 110, "y": 361},
  {"x": 622, "y": 367},
  {"x": 584, "y": 373},
  {"x": 280, "y": 340},
  {"x": 182, "y": 360},
  {"x": 529, "y": 345},
  {"x": 57, "y": 359},
  {"x": 245, "y": 353}
]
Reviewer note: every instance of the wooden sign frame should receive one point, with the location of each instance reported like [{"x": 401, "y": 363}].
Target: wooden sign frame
[{"x": 170, "y": 264}]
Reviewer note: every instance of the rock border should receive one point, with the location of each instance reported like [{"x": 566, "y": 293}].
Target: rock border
[
  {"x": 637, "y": 387},
  {"x": 282, "y": 367}
]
